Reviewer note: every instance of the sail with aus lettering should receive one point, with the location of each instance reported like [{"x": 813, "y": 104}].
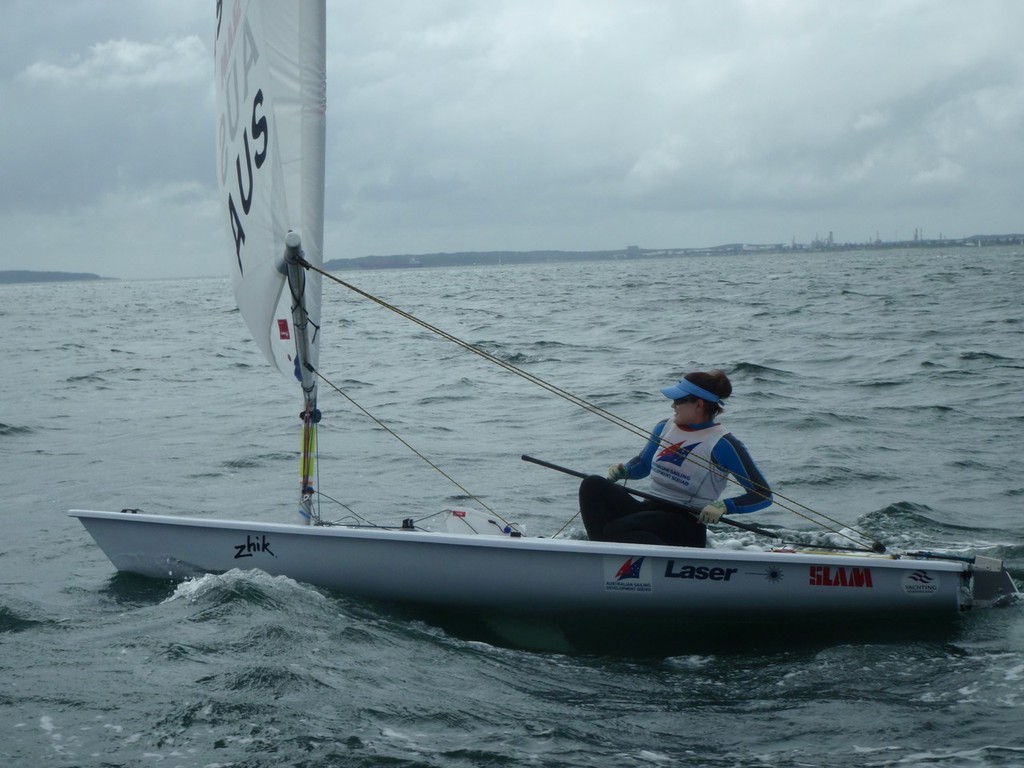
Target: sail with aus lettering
[{"x": 271, "y": 85}]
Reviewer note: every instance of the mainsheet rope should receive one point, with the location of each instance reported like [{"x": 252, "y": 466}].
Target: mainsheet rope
[{"x": 791, "y": 505}]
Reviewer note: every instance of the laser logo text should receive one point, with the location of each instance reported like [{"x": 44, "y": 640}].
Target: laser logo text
[{"x": 698, "y": 572}]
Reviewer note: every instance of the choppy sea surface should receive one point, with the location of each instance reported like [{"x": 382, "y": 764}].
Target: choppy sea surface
[{"x": 883, "y": 388}]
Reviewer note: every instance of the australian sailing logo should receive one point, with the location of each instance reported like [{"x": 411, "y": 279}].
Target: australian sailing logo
[
  {"x": 921, "y": 582},
  {"x": 631, "y": 575},
  {"x": 676, "y": 454},
  {"x": 630, "y": 569},
  {"x": 827, "y": 576},
  {"x": 254, "y": 545}
]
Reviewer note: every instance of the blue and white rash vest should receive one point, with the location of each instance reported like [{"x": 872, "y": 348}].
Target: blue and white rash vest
[{"x": 690, "y": 465}]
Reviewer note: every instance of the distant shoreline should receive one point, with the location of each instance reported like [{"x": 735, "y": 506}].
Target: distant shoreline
[
  {"x": 504, "y": 258},
  {"x": 495, "y": 258},
  {"x": 29, "y": 276}
]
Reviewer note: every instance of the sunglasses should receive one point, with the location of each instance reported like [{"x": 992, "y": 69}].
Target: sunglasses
[{"x": 685, "y": 400}]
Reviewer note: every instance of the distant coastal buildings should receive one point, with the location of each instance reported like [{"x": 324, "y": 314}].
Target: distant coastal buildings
[
  {"x": 500, "y": 258},
  {"x": 920, "y": 241}
]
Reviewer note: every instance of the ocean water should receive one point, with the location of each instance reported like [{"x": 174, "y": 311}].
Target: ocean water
[{"x": 881, "y": 388}]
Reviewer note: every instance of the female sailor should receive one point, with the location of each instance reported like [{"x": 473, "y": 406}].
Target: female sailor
[{"x": 689, "y": 459}]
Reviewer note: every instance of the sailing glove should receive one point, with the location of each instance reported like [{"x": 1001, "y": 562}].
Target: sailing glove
[
  {"x": 617, "y": 472},
  {"x": 713, "y": 512}
]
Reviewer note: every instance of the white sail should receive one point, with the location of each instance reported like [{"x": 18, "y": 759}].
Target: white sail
[{"x": 271, "y": 90}]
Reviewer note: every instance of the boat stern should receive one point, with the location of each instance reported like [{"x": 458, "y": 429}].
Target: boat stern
[{"x": 992, "y": 584}]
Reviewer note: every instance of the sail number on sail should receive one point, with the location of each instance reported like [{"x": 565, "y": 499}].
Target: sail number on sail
[{"x": 249, "y": 147}]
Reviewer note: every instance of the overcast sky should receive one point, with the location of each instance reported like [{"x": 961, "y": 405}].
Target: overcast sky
[{"x": 525, "y": 125}]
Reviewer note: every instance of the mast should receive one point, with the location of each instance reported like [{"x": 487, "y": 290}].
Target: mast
[
  {"x": 270, "y": 66},
  {"x": 305, "y": 343}
]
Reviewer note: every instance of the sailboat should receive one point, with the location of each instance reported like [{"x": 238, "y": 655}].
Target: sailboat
[{"x": 270, "y": 70}]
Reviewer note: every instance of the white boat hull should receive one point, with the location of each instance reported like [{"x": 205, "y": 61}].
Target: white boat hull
[{"x": 537, "y": 577}]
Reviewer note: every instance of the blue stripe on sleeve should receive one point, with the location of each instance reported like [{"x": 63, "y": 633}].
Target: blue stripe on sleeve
[{"x": 732, "y": 455}]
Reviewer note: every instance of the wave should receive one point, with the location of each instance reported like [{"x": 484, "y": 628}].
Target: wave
[
  {"x": 540, "y": 352},
  {"x": 264, "y": 679},
  {"x": 259, "y": 460},
  {"x": 760, "y": 372},
  {"x": 14, "y": 429},
  {"x": 12, "y": 620},
  {"x": 128, "y": 589},
  {"x": 912, "y": 526},
  {"x": 85, "y": 377},
  {"x": 984, "y": 357},
  {"x": 108, "y": 375},
  {"x": 804, "y": 420},
  {"x": 237, "y": 590},
  {"x": 837, "y": 477}
]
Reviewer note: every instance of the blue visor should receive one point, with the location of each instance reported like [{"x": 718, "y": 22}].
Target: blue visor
[{"x": 684, "y": 388}]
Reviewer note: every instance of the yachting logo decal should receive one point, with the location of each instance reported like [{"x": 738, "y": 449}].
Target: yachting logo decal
[
  {"x": 631, "y": 575},
  {"x": 921, "y": 582}
]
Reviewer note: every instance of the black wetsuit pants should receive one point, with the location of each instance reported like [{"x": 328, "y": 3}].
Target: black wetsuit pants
[{"x": 611, "y": 513}]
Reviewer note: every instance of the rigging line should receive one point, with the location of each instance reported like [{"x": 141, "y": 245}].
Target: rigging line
[
  {"x": 565, "y": 525},
  {"x": 321, "y": 494},
  {"x": 790, "y": 505},
  {"x": 316, "y": 459},
  {"x": 404, "y": 442},
  {"x": 579, "y": 401}
]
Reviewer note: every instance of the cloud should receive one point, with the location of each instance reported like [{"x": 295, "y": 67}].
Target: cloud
[
  {"x": 521, "y": 124},
  {"x": 133, "y": 233},
  {"x": 125, "y": 65},
  {"x": 708, "y": 111}
]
